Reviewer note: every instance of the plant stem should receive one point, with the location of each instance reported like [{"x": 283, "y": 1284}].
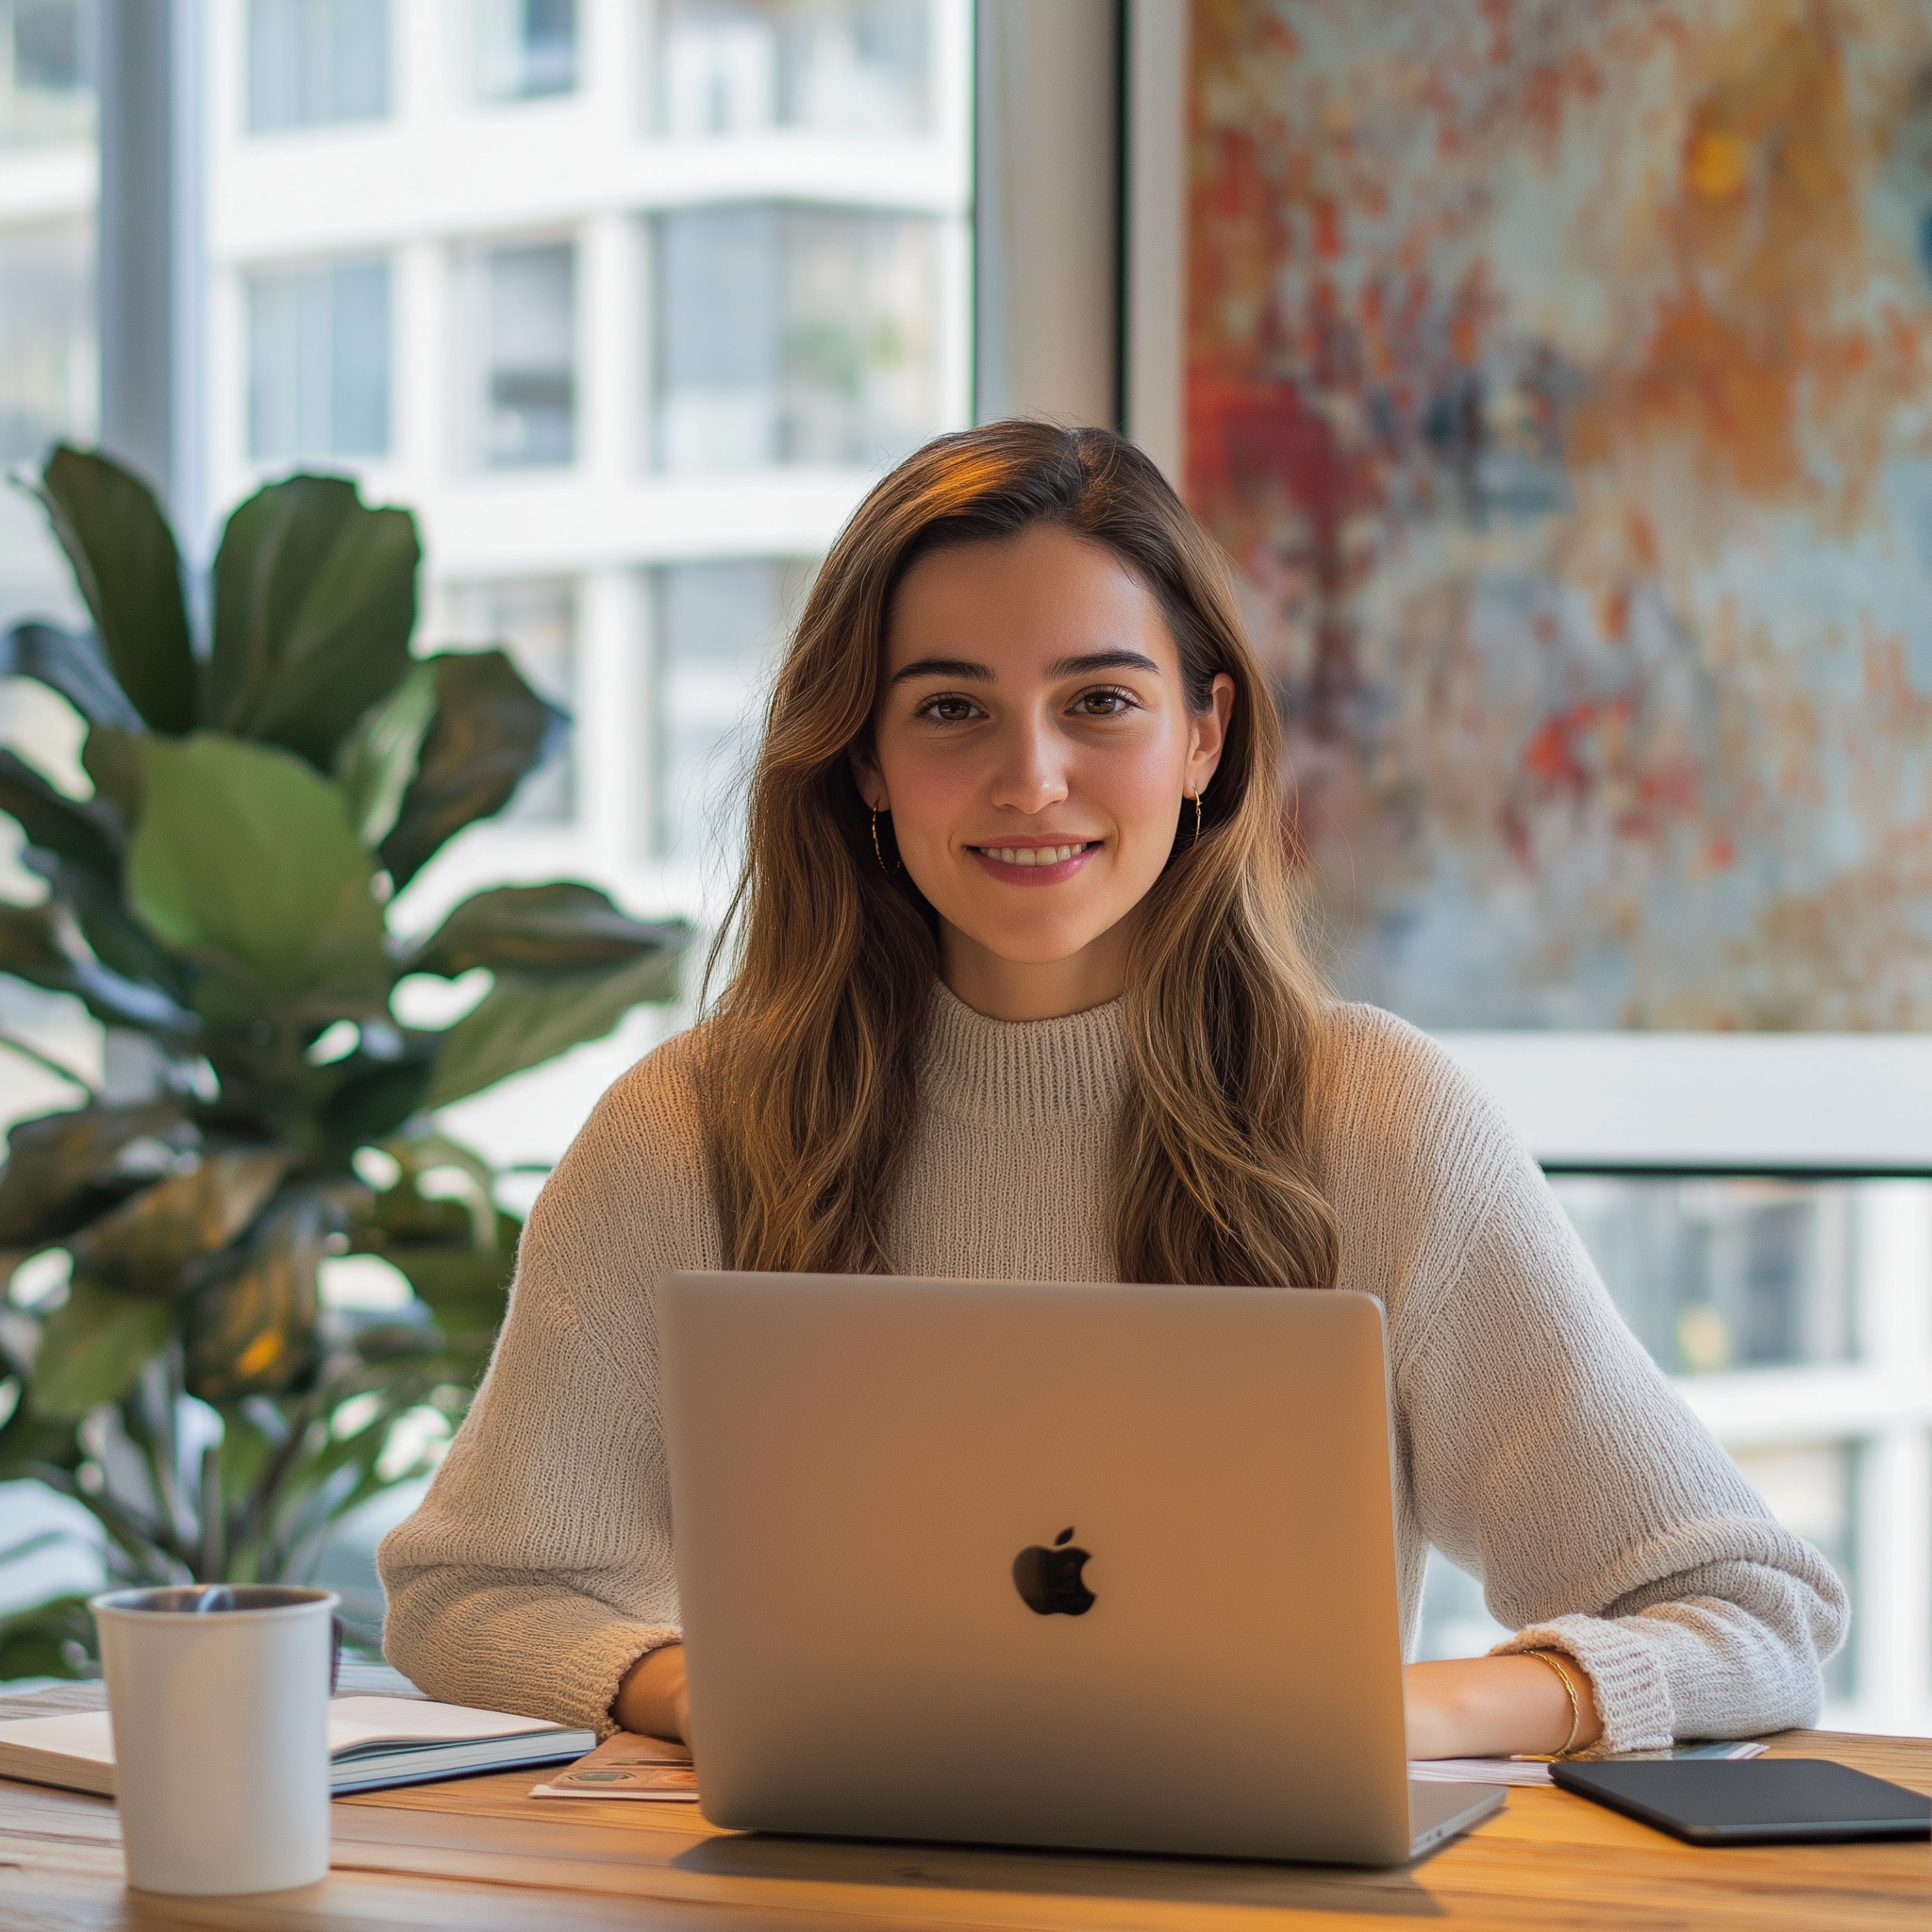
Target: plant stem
[
  {"x": 15, "y": 1045},
  {"x": 152, "y": 1559},
  {"x": 214, "y": 1555},
  {"x": 258, "y": 1520}
]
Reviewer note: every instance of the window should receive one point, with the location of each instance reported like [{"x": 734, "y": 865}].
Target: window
[
  {"x": 855, "y": 67},
  {"x": 49, "y": 369},
  {"x": 526, "y": 48},
  {"x": 1722, "y": 1274},
  {"x": 794, "y": 335},
  {"x": 523, "y": 309},
  {"x": 318, "y": 363},
  {"x": 535, "y": 620},
  {"x": 45, "y": 93},
  {"x": 315, "y": 62},
  {"x": 718, "y": 626}
]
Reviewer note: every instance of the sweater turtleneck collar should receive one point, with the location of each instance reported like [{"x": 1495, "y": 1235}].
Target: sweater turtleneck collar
[{"x": 1021, "y": 1073}]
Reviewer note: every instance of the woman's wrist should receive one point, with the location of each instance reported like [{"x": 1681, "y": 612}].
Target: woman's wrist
[
  {"x": 1498, "y": 1706},
  {"x": 652, "y": 1700}
]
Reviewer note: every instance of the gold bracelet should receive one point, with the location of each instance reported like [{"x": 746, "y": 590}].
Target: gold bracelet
[{"x": 1549, "y": 1657}]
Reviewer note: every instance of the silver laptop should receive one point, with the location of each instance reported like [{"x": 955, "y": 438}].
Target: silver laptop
[{"x": 1111, "y": 1568}]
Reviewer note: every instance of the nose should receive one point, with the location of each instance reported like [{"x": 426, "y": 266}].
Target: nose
[{"x": 1031, "y": 773}]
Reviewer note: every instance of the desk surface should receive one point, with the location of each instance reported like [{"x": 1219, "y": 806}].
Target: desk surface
[{"x": 480, "y": 1854}]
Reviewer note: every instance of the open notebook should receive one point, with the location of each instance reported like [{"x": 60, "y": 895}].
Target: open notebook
[{"x": 374, "y": 1742}]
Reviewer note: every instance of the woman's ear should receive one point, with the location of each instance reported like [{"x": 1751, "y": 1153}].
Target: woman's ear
[
  {"x": 867, "y": 776},
  {"x": 1207, "y": 735}
]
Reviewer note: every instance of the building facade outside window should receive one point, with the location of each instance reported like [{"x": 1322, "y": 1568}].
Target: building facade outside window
[
  {"x": 520, "y": 338},
  {"x": 49, "y": 364},
  {"x": 851, "y": 67},
  {"x": 318, "y": 363},
  {"x": 524, "y": 49},
  {"x": 46, "y": 90},
  {"x": 793, "y": 335},
  {"x": 314, "y": 63},
  {"x": 1725, "y": 1274},
  {"x": 49, "y": 336},
  {"x": 719, "y": 629}
]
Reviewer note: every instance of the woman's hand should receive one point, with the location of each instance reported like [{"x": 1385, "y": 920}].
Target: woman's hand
[
  {"x": 1495, "y": 1706},
  {"x": 1481, "y": 1706},
  {"x": 652, "y": 1700}
]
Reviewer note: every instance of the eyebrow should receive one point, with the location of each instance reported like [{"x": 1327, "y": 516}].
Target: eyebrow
[
  {"x": 944, "y": 667},
  {"x": 969, "y": 672},
  {"x": 1102, "y": 660}
]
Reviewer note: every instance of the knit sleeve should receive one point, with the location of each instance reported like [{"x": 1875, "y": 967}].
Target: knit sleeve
[
  {"x": 1546, "y": 1455},
  {"x": 538, "y": 1569}
]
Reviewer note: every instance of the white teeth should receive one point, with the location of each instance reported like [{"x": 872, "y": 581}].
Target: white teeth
[{"x": 1033, "y": 854}]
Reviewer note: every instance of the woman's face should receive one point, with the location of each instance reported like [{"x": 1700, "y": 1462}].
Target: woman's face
[{"x": 1033, "y": 745}]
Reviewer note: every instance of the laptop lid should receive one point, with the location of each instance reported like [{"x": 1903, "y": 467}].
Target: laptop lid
[{"x": 1111, "y": 1567}]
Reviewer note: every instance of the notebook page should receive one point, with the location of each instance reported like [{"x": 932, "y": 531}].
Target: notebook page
[{"x": 357, "y": 1722}]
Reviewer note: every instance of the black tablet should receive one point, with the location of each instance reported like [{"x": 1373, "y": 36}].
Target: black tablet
[{"x": 1757, "y": 1801}]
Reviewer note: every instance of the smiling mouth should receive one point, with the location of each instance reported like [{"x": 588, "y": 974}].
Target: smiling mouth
[{"x": 1035, "y": 854}]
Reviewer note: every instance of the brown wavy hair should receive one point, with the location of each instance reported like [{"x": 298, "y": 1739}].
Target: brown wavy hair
[{"x": 808, "y": 1069}]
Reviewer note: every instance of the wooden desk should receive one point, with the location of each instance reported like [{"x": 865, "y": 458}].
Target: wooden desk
[{"x": 480, "y": 1854}]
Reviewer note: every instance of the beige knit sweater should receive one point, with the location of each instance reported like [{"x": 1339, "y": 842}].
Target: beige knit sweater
[{"x": 1537, "y": 1446}]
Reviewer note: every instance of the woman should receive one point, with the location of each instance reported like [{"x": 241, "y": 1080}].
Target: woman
[{"x": 1019, "y": 995}]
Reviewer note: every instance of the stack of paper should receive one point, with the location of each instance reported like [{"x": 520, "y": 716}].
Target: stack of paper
[
  {"x": 374, "y": 1742},
  {"x": 1536, "y": 1770},
  {"x": 629, "y": 1767}
]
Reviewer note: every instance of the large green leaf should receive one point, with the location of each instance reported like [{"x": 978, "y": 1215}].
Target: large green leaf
[
  {"x": 61, "y": 1168},
  {"x": 128, "y": 570},
  {"x": 31, "y": 1443},
  {"x": 70, "y": 662},
  {"x": 251, "y": 1331},
  {"x": 490, "y": 730},
  {"x": 315, "y": 598},
  {"x": 148, "y": 1245},
  {"x": 377, "y": 761},
  {"x": 523, "y": 1021},
  {"x": 75, "y": 846},
  {"x": 39, "y": 944},
  {"x": 112, "y": 759},
  {"x": 378, "y": 1096},
  {"x": 30, "y": 948},
  {"x": 245, "y": 856},
  {"x": 94, "y": 1346},
  {"x": 81, "y": 832},
  {"x": 539, "y": 929}
]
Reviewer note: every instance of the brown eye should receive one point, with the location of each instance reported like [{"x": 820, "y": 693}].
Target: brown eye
[
  {"x": 948, "y": 710},
  {"x": 1103, "y": 704}
]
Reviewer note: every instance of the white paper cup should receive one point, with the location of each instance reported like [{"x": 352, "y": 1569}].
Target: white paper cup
[{"x": 219, "y": 1697}]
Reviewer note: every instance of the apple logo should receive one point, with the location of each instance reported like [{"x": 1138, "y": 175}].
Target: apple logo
[{"x": 1048, "y": 1580}]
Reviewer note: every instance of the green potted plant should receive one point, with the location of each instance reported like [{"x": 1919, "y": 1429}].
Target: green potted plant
[{"x": 260, "y": 795}]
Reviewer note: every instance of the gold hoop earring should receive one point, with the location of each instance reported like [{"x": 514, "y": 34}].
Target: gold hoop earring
[
  {"x": 876, "y": 851},
  {"x": 1197, "y": 819}
]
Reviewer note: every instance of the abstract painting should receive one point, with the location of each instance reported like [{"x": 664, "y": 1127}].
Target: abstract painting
[{"x": 1559, "y": 379}]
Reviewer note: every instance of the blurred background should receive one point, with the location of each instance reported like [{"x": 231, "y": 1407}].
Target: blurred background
[{"x": 631, "y": 300}]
